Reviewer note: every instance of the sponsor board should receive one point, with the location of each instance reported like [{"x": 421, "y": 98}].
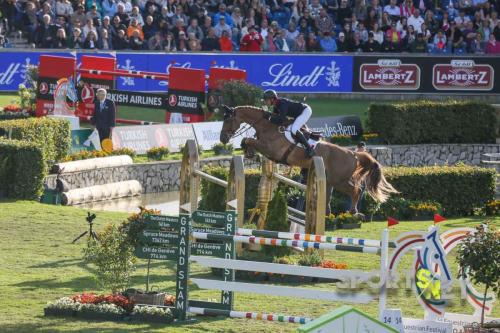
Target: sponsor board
[
  {"x": 342, "y": 125},
  {"x": 463, "y": 74},
  {"x": 184, "y": 101},
  {"x": 138, "y": 99},
  {"x": 208, "y": 134},
  {"x": 141, "y": 138},
  {"x": 411, "y": 325},
  {"x": 389, "y": 74},
  {"x": 426, "y": 74},
  {"x": 458, "y": 320}
]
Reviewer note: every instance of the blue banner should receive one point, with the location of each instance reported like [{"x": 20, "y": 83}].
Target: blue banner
[{"x": 297, "y": 73}]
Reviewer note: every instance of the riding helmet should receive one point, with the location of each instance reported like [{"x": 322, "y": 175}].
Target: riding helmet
[{"x": 270, "y": 94}]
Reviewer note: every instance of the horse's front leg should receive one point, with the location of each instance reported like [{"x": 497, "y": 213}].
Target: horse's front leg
[{"x": 249, "y": 146}]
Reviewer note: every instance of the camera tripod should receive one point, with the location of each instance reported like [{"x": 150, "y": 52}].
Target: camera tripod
[{"x": 90, "y": 220}]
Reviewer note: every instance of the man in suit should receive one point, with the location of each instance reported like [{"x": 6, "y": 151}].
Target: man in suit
[{"x": 104, "y": 115}]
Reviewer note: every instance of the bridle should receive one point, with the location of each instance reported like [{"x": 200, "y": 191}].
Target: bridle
[{"x": 231, "y": 114}]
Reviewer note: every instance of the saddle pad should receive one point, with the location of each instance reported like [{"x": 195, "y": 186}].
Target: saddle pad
[{"x": 288, "y": 136}]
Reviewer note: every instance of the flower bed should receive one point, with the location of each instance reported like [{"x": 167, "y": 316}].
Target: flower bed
[{"x": 109, "y": 307}]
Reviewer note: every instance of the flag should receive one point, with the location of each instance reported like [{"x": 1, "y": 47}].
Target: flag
[
  {"x": 438, "y": 218},
  {"x": 391, "y": 221}
]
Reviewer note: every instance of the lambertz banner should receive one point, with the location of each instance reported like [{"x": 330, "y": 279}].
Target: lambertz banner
[{"x": 410, "y": 74}]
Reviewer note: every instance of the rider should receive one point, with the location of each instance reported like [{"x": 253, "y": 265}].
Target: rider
[{"x": 284, "y": 108}]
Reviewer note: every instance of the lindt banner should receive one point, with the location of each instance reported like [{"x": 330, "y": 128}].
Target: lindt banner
[{"x": 426, "y": 74}]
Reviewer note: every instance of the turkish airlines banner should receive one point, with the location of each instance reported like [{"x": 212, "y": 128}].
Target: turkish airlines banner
[{"x": 388, "y": 74}]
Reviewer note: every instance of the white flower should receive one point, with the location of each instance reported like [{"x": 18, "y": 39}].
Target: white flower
[{"x": 152, "y": 310}]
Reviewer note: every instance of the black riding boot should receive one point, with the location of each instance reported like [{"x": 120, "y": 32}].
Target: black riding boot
[{"x": 302, "y": 139}]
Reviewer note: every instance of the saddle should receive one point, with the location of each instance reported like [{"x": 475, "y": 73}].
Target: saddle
[{"x": 308, "y": 133}]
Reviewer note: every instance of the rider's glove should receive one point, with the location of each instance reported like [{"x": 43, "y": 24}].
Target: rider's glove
[{"x": 267, "y": 115}]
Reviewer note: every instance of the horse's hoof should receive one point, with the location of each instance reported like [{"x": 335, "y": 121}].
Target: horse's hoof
[{"x": 360, "y": 216}]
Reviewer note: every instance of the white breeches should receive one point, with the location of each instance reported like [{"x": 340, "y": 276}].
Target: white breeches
[{"x": 301, "y": 120}]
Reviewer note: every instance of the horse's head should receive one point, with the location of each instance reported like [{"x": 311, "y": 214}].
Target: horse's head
[{"x": 230, "y": 125}]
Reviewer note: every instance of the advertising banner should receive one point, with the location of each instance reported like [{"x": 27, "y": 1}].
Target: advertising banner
[
  {"x": 140, "y": 99},
  {"x": 143, "y": 137},
  {"x": 297, "y": 73},
  {"x": 207, "y": 134},
  {"x": 341, "y": 125},
  {"x": 427, "y": 74}
]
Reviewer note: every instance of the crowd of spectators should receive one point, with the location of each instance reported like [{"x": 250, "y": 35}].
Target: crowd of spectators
[{"x": 417, "y": 26}]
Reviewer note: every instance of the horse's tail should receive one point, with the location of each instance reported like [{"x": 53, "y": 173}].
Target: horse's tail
[{"x": 376, "y": 185}]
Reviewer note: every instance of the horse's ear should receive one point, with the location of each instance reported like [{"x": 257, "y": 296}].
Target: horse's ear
[{"x": 228, "y": 111}]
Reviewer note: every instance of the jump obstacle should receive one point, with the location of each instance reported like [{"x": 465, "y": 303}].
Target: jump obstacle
[
  {"x": 227, "y": 263},
  {"x": 313, "y": 219},
  {"x": 226, "y": 239}
]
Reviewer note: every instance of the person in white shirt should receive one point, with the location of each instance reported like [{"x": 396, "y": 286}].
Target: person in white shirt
[
  {"x": 416, "y": 20},
  {"x": 392, "y": 9}
]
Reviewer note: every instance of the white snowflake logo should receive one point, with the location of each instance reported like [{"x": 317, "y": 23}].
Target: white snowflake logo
[
  {"x": 24, "y": 69},
  {"x": 333, "y": 75},
  {"x": 127, "y": 81}
]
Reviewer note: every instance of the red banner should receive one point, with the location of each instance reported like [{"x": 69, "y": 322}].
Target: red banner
[{"x": 51, "y": 69}]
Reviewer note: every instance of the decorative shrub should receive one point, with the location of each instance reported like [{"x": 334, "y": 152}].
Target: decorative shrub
[
  {"x": 113, "y": 257},
  {"x": 312, "y": 258},
  {"x": 277, "y": 220},
  {"x": 493, "y": 207},
  {"x": 344, "y": 219},
  {"x": 150, "y": 312},
  {"x": 237, "y": 92},
  {"x": 22, "y": 169},
  {"x": 458, "y": 189},
  {"x": 409, "y": 209},
  {"x": 341, "y": 140},
  {"x": 124, "y": 151},
  {"x": 85, "y": 154},
  {"x": 134, "y": 225},
  {"x": 210, "y": 190},
  {"x": 424, "y": 121},
  {"x": 223, "y": 149},
  {"x": 52, "y": 135},
  {"x": 157, "y": 153},
  {"x": 479, "y": 259}
]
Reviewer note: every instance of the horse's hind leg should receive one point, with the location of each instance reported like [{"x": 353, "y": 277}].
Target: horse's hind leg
[
  {"x": 353, "y": 192},
  {"x": 329, "y": 189}
]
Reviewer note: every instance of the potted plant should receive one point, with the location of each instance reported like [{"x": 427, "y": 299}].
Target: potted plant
[
  {"x": 348, "y": 221},
  {"x": 479, "y": 260},
  {"x": 330, "y": 223},
  {"x": 64, "y": 307},
  {"x": 152, "y": 314},
  {"x": 101, "y": 311},
  {"x": 424, "y": 210},
  {"x": 223, "y": 149}
]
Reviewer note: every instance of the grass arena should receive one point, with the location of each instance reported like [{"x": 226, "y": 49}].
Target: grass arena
[{"x": 250, "y": 246}]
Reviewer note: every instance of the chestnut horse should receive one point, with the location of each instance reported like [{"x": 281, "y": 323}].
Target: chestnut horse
[{"x": 345, "y": 169}]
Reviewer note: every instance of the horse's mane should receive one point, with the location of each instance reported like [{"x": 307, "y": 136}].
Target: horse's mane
[{"x": 248, "y": 108}]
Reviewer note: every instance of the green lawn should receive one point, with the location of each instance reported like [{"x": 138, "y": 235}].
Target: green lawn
[
  {"x": 322, "y": 107},
  {"x": 38, "y": 263}
]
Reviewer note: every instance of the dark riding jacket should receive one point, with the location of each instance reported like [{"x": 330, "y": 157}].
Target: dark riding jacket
[{"x": 286, "y": 108}]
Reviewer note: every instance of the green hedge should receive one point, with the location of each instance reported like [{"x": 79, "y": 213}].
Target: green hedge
[
  {"x": 211, "y": 190},
  {"x": 53, "y": 135},
  {"x": 418, "y": 122},
  {"x": 22, "y": 169},
  {"x": 458, "y": 189}
]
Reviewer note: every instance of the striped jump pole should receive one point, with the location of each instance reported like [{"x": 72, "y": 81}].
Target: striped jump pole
[
  {"x": 249, "y": 315},
  {"x": 312, "y": 237},
  {"x": 286, "y": 243},
  {"x": 152, "y": 76}
]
